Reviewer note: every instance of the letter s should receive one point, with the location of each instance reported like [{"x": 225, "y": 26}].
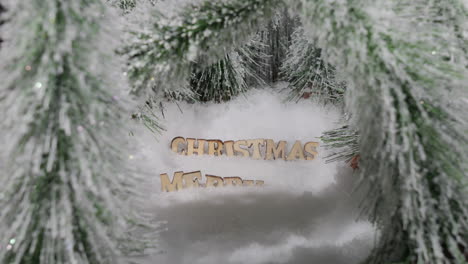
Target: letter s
[
  {"x": 237, "y": 147},
  {"x": 311, "y": 149}
]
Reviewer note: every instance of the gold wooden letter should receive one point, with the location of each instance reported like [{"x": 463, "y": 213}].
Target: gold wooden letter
[
  {"x": 213, "y": 181},
  {"x": 176, "y": 184},
  {"x": 232, "y": 181},
  {"x": 256, "y": 147},
  {"x": 200, "y": 149},
  {"x": 237, "y": 147},
  {"x": 191, "y": 179},
  {"x": 247, "y": 182},
  {"x": 273, "y": 152},
  {"x": 296, "y": 152},
  {"x": 311, "y": 149},
  {"x": 228, "y": 148},
  {"x": 175, "y": 145},
  {"x": 215, "y": 146}
]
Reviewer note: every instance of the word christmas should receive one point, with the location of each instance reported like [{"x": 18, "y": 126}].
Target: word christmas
[
  {"x": 183, "y": 180},
  {"x": 255, "y": 148}
]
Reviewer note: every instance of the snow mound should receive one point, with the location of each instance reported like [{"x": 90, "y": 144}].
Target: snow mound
[{"x": 305, "y": 213}]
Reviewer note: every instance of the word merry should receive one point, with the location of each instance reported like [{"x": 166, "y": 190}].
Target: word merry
[
  {"x": 255, "y": 148},
  {"x": 183, "y": 180}
]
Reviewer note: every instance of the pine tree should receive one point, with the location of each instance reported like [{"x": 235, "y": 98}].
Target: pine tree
[
  {"x": 306, "y": 72},
  {"x": 65, "y": 187},
  {"x": 272, "y": 42},
  {"x": 253, "y": 64},
  {"x": 220, "y": 81}
]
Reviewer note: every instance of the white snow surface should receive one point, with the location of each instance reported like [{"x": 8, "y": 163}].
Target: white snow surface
[{"x": 306, "y": 212}]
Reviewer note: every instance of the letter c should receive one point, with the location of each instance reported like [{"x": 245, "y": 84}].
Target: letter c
[{"x": 175, "y": 145}]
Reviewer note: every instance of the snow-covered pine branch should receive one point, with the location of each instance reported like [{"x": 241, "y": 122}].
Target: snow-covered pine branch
[
  {"x": 254, "y": 63},
  {"x": 344, "y": 143},
  {"x": 64, "y": 184},
  {"x": 159, "y": 58},
  {"x": 306, "y": 72},
  {"x": 127, "y": 6},
  {"x": 220, "y": 81},
  {"x": 272, "y": 44},
  {"x": 406, "y": 76}
]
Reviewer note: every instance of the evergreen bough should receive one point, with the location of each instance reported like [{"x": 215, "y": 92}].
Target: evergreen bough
[
  {"x": 306, "y": 72},
  {"x": 65, "y": 188},
  {"x": 405, "y": 75}
]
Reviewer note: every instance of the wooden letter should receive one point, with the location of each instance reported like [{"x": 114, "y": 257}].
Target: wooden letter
[
  {"x": 228, "y": 148},
  {"x": 256, "y": 147},
  {"x": 311, "y": 149},
  {"x": 215, "y": 146},
  {"x": 200, "y": 149},
  {"x": 175, "y": 145},
  {"x": 248, "y": 182},
  {"x": 259, "y": 183},
  {"x": 238, "y": 149},
  {"x": 176, "y": 184},
  {"x": 232, "y": 181},
  {"x": 296, "y": 152},
  {"x": 191, "y": 179},
  {"x": 273, "y": 152},
  {"x": 213, "y": 181}
]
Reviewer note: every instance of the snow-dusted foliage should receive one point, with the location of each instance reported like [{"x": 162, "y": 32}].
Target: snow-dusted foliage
[
  {"x": 344, "y": 143},
  {"x": 129, "y": 5},
  {"x": 272, "y": 43},
  {"x": 160, "y": 57},
  {"x": 125, "y": 5},
  {"x": 220, "y": 81},
  {"x": 406, "y": 78},
  {"x": 306, "y": 72},
  {"x": 64, "y": 184},
  {"x": 255, "y": 63}
]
